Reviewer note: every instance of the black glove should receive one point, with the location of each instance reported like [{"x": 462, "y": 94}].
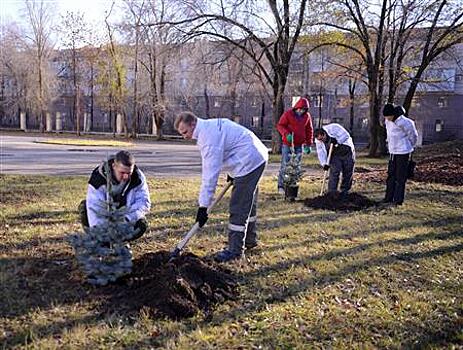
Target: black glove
[
  {"x": 230, "y": 179},
  {"x": 326, "y": 167},
  {"x": 201, "y": 216},
  {"x": 333, "y": 141}
]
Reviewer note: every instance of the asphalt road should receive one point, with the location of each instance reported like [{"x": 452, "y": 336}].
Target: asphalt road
[{"x": 23, "y": 155}]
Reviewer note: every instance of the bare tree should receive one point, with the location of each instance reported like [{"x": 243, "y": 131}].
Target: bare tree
[
  {"x": 75, "y": 33},
  {"x": 157, "y": 49},
  {"x": 264, "y": 31},
  {"x": 135, "y": 15},
  {"x": 39, "y": 42},
  {"x": 14, "y": 71},
  {"x": 117, "y": 77},
  {"x": 389, "y": 34}
]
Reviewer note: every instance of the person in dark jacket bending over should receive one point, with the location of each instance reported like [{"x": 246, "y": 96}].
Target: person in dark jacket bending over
[
  {"x": 295, "y": 126},
  {"x": 128, "y": 188},
  {"x": 342, "y": 157},
  {"x": 401, "y": 140}
]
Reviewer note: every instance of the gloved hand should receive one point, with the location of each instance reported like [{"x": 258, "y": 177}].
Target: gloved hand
[
  {"x": 333, "y": 141},
  {"x": 230, "y": 179},
  {"x": 326, "y": 167},
  {"x": 201, "y": 216},
  {"x": 306, "y": 149},
  {"x": 289, "y": 138}
]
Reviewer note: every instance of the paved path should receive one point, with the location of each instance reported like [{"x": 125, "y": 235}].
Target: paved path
[{"x": 22, "y": 155}]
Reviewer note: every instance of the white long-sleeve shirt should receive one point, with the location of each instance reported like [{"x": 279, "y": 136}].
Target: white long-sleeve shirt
[
  {"x": 138, "y": 201},
  {"x": 341, "y": 135},
  {"x": 401, "y": 135},
  {"x": 225, "y": 145}
]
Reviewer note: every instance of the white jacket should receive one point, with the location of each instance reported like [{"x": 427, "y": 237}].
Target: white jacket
[
  {"x": 401, "y": 135},
  {"x": 342, "y": 137},
  {"x": 138, "y": 202},
  {"x": 225, "y": 145}
]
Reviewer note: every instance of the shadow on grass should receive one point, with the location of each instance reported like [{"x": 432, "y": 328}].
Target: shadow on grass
[
  {"x": 281, "y": 295},
  {"x": 40, "y": 218},
  {"x": 453, "y": 220},
  {"x": 45, "y": 283},
  {"x": 449, "y": 334}
]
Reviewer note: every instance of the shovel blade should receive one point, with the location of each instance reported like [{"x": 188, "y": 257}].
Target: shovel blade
[{"x": 174, "y": 254}]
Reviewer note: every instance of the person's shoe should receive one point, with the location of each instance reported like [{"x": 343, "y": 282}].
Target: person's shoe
[
  {"x": 226, "y": 255},
  {"x": 281, "y": 190},
  {"x": 251, "y": 245}
]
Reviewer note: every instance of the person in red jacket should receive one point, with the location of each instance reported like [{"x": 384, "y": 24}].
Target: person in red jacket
[{"x": 295, "y": 126}]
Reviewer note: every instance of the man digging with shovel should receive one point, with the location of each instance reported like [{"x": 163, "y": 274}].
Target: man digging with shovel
[
  {"x": 342, "y": 158},
  {"x": 225, "y": 144}
]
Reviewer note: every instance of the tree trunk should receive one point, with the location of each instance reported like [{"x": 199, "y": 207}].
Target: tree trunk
[
  {"x": 278, "y": 109},
  {"x": 135, "y": 86},
  {"x": 373, "y": 125},
  {"x": 77, "y": 110},
  {"x": 92, "y": 96},
  {"x": 207, "y": 111},
  {"x": 159, "y": 119}
]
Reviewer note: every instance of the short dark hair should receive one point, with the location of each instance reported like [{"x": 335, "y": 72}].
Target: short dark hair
[
  {"x": 125, "y": 158},
  {"x": 319, "y": 132},
  {"x": 185, "y": 117}
]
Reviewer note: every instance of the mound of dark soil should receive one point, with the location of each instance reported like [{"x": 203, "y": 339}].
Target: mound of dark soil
[
  {"x": 447, "y": 170},
  {"x": 176, "y": 289},
  {"x": 334, "y": 201}
]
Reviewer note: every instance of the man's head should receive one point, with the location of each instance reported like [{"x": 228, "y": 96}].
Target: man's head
[
  {"x": 185, "y": 124},
  {"x": 320, "y": 135},
  {"x": 123, "y": 165},
  {"x": 389, "y": 111}
]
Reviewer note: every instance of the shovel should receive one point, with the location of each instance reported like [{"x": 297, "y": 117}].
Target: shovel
[
  {"x": 322, "y": 191},
  {"x": 178, "y": 249}
]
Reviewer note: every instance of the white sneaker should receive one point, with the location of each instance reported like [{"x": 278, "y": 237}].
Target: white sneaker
[{"x": 281, "y": 190}]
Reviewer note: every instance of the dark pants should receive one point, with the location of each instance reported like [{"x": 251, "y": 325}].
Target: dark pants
[
  {"x": 341, "y": 164},
  {"x": 243, "y": 211},
  {"x": 141, "y": 224},
  {"x": 396, "y": 178}
]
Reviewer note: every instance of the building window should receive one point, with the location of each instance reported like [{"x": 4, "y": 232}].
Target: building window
[
  {"x": 439, "y": 125},
  {"x": 317, "y": 100},
  {"x": 255, "y": 122},
  {"x": 442, "y": 102},
  {"x": 365, "y": 123},
  {"x": 459, "y": 77},
  {"x": 216, "y": 103}
]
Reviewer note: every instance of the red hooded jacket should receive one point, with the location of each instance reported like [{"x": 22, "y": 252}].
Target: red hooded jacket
[{"x": 300, "y": 126}]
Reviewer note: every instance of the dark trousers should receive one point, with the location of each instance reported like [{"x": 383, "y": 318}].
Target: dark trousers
[
  {"x": 141, "y": 224},
  {"x": 243, "y": 211},
  {"x": 341, "y": 164},
  {"x": 396, "y": 178}
]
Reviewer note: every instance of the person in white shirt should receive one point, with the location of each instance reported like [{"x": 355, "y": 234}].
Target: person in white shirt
[
  {"x": 401, "y": 140},
  {"x": 226, "y": 145},
  {"x": 128, "y": 188},
  {"x": 342, "y": 158}
]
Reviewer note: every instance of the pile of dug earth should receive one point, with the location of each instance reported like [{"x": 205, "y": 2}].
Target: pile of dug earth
[
  {"x": 334, "y": 201},
  {"x": 447, "y": 170},
  {"x": 176, "y": 289}
]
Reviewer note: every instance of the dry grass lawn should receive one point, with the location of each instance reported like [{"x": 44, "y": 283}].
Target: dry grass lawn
[{"x": 379, "y": 278}]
